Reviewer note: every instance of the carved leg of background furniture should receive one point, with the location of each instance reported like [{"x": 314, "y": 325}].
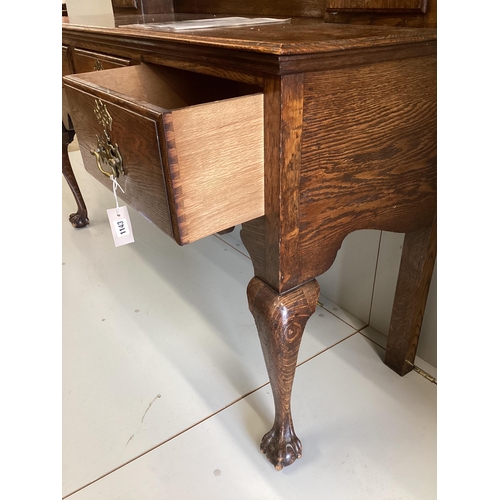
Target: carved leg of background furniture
[
  {"x": 415, "y": 273},
  {"x": 80, "y": 218},
  {"x": 280, "y": 321}
]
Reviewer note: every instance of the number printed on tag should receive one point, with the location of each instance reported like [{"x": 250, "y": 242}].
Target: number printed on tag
[{"x": 121, "y": 227}]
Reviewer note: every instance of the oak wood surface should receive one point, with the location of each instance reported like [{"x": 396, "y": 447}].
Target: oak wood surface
[
  {"x": 415, "y": 274},
  {"x": 369, "y": 155},
  {"x": 85, "y": 61},
  {"x": 203, "y": 161},
  {"x": 349, "y": 143},
  {"x": 378, "y": 5},
  {"x": 423, "y": 15},
  {"x": 280, "y": 320},
  {"x": 135, "y": 135},
  {"x": 272, "y": 241},
  {"x": 300, "y": 36},
  {"x": 247, "y": 56},
  {"x": 286, "y": 8},
  {"x": 216, "y": 164}
]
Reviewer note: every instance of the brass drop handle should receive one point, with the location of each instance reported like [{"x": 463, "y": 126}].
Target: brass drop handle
[
  {"x": 106, "y": 152},
  {"x": 110, "y": 155},
  {"x": 113, "y": 172}
]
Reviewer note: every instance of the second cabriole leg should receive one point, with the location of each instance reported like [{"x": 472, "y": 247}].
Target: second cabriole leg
[
  {"x": 80, "y": 217},
  {"x": 280, "y": 320}
]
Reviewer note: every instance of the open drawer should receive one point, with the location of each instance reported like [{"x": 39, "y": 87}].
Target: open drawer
[{"x": 187, "y": 148}]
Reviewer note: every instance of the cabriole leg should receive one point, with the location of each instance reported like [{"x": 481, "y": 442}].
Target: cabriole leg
[
  {"x": 80, "y": 218},
  {"x": 280, "y": 320}
]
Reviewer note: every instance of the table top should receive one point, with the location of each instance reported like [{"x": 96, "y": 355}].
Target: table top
[{"x": 297, "y": 37}]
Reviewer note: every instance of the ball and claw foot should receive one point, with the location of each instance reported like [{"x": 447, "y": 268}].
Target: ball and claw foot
[
  {"x": 281, "y": 449},
  {"x": 78, "y": 220}
]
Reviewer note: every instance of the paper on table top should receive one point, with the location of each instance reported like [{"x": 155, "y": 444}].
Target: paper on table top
[{"x": 197, "y": 24}]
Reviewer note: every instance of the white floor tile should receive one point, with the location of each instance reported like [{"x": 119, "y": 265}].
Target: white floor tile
[
  {"x": 156, "y": 337},
  {"x": 234, "y": 239},
  {"x": 367, "y": 434},
  {"x": 340, "y": 313},
  {"x": 381, "y": 340}
]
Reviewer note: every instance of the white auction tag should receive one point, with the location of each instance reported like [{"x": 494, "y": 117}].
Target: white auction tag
[{"x": 121, "y": 226}]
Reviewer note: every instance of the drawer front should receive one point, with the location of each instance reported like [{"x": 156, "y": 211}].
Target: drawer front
[
  {"x": 85, "y": 61},
  {"x": 193, "y": 170},
  {"x": 136, "y": 138}
]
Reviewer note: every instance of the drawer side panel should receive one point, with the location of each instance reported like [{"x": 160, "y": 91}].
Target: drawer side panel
[{"x": 216, "y": 164}]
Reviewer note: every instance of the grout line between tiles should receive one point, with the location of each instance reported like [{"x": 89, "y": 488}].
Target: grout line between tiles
[
  {"x": 166, "y": 441},
  {"x": 327, "y": 348},
  {"x": 415, "y": 368},
  {"x": 370, "y": 339},
  {"x": 338, "y": 317},
  {"x": 233, "y": 247},
  {"x": 204, "y": 419},
  {"x": 375, "y": 277}
]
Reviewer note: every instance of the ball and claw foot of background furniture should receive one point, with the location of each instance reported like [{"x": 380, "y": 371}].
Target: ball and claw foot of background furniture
[{"x": 80, "y": 217}]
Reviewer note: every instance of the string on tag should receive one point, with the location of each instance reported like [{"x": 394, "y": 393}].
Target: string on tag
[{"x": 115, "y": 183}]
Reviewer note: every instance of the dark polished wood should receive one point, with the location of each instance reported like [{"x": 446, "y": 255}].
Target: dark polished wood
[
  {"x": 405, "y": 13},
  {"x": 86, "y": 60},
  {"x": 415, "y": 273},
  {"x": 349, "y": 129},
  {"x": 80, "y": 217},
  {"x": 418, "y": 6},
  {"x": 282, "y": 8},
  {"x": 280, "y": 320}
]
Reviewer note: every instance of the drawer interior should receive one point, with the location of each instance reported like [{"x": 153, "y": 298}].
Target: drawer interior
[{"x": 167, "y": 88}]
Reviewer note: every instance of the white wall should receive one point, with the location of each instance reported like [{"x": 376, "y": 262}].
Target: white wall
[
  {"x": 99, "y": 12},
  {"x": 363, "y": 281}
]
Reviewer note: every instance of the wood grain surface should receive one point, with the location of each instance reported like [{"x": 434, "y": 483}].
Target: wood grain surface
[
  {"x": 402, "y": 13},
  {"x": 378, "y": 5},
  {"x": 415, "y": 274},
  {"x": 368, "y": 155},
  {"x": 85, "y": 60},
  {"x": 192, "y": 167},
  {"x": 280, "y": 320},
  {"x": 285, "y": 8},
  {"x": 216, "y": 165},
  {"x": 300, "y": 36}
]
